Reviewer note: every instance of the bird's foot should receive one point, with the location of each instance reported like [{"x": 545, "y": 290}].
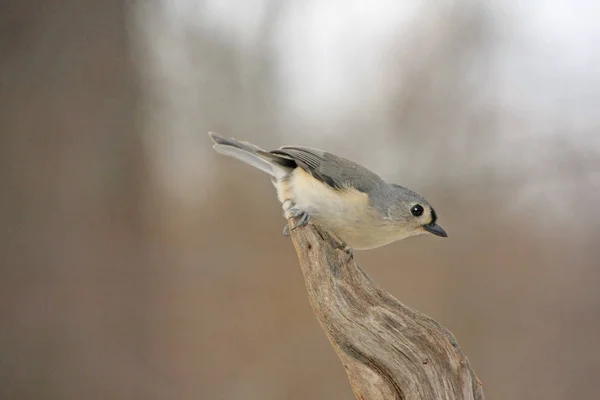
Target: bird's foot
[
  {"x": 303, "y": 218},
  {"x": 291, "y": 211},
  {"x": 344, "y": 246}
]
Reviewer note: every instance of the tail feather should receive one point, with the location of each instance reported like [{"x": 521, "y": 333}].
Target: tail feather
[
  {"x": 253, "y": 155},
  {"x": 218, "y": 139}
]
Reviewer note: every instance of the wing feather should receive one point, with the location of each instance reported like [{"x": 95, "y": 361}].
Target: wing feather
[{"x": 337, "y": 172}]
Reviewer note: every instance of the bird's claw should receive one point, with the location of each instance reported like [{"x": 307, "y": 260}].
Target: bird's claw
[
  {"x": 293, "y": 212},
  {"x": 304, "y": 218},
  {"x": 348, "y": 250}
]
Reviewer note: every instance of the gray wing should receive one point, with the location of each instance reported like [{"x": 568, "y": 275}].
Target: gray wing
[{"x": 336, "y": 172}]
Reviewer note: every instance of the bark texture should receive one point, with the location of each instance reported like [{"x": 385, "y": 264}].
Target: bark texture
[{"x": 389, "y": 351}]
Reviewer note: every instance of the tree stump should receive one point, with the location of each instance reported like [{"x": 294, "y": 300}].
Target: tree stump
[{"x": 389, "y": 351}]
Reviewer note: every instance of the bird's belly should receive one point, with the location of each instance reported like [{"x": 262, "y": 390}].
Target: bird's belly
[
  {"x": 346, "y": 213},
  {"x": 359, "y": 235}
]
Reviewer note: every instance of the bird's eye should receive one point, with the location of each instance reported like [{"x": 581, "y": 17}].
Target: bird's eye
[{"x": 417, "y": 210}]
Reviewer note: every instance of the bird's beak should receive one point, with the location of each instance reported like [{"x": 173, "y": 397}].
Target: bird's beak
[{"x": 435, "y": 229}]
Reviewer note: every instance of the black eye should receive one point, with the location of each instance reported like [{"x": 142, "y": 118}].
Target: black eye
[{"x": 417, "y": 210}]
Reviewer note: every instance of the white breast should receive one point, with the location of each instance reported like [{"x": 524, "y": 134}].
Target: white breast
[{"x": 345, "y": 213}]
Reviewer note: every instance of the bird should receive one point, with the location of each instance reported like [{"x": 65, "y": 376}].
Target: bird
[{"x": 342, "y": 197}]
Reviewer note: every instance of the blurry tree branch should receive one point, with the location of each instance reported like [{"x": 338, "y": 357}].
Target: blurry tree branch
[{"x": 389, "y": 350}]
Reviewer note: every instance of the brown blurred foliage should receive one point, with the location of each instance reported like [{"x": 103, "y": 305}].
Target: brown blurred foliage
[{"x": 137, "y": 264}]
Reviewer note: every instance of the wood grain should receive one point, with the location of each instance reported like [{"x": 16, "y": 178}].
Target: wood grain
[{"x": 389, "y": 351}]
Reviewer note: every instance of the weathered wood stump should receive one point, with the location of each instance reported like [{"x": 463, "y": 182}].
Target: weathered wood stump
[{"x": 389, "y": 350}]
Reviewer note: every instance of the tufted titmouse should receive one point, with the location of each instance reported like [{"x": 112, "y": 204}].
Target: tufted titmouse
[{"x": 341, "y": 196}]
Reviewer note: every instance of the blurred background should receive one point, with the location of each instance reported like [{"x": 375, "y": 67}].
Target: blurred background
[{"x": 138, "y": 264}]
